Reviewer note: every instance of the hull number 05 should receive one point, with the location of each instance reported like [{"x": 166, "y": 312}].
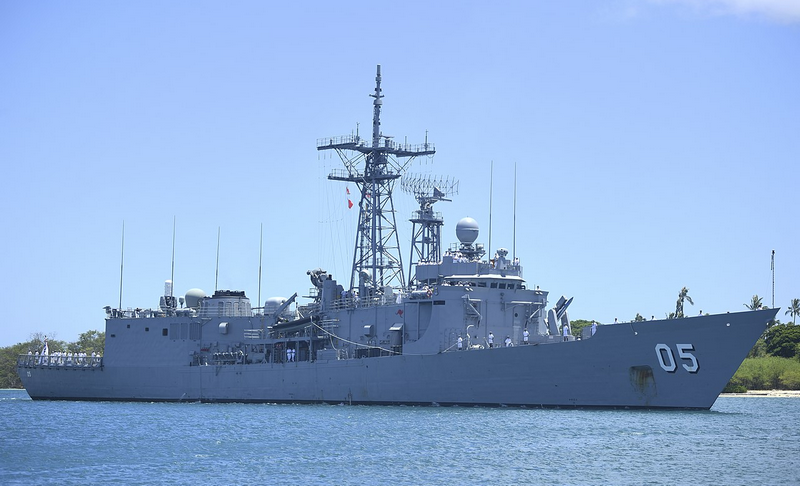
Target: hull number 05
[{"x": 667, "y": 360}]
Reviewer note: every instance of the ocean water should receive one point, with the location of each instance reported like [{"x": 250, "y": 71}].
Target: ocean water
[{"x": 741, "y": 440}]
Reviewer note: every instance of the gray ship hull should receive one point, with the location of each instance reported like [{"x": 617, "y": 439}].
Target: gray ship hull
[{"x": 681, "y": 363}]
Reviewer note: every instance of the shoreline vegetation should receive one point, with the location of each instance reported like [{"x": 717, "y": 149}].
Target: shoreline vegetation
[
  {"x": 765, "y": 373},
  {"x": 765, "y": 393}
]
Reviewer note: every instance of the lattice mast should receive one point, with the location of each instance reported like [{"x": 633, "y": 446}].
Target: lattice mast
[
  {"x": 426, "y": 240},
  {"x": 374, "y": 168}
]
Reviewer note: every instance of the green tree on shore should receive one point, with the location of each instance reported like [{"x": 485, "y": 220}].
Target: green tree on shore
[
  {"x": 89, "y": 342},
  {"x": 577, "y": 326},
  {"x": 794, "y": 310},
  {"x": 755, "y": 303},
  {"x": 8, "y": 365},
  {"x": 783, "y": 340},
  {"x": 683, "y": 295},
  {"x": 767, "y": 373}
]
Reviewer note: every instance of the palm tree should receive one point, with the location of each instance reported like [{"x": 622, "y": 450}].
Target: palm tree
[
  {"x": 755, "y": 303},
  {"x": 794, "y": 310},
  {"x": 684, "y": 295}
]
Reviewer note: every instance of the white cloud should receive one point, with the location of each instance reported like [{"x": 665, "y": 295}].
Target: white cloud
[{"x": 784, "y": 11}]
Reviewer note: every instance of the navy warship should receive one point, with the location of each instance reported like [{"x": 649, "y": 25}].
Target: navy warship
[{"x": 453, "y": 328}]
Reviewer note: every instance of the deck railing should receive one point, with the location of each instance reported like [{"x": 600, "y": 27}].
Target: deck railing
[{"x": 52, "y": 361}]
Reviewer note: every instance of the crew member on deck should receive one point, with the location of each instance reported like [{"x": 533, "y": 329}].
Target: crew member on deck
[
  {"x": 491, "y": 339},
  {"x": 460, "y": 343},
  {"x": 525, "y": 336},
  {"x": 508, "y": 341},
  {"x": 565, "y": 332}
]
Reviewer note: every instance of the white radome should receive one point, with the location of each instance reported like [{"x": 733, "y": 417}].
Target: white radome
[{"x": 467, "y": 230}]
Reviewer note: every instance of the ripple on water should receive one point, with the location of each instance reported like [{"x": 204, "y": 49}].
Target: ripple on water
[{"x": 141, "y": 443}]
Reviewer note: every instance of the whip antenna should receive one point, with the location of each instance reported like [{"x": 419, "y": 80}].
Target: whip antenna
[
  {"x": 772, "y": 265},
  {"x": 216, "y": 278},
  {"x": 121, "y": 262},
  {"x": 514, "y": 232},
  {"x": 172, "y": 275},
  {"x": 491, "y": 185},
  {"x": 260, "y": 246}
]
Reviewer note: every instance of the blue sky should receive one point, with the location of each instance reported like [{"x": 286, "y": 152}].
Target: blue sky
[{"x": 656, "y": 145}]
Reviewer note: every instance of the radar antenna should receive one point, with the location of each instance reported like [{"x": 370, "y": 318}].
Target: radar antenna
[
  {"x": 377, "y": 247},
  {"x": 426, "y": 242}
]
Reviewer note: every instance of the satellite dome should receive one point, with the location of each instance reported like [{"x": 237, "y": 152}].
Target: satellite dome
[
  {"x": 275, "y": 301},
  {"x": 271, "y": 305},
  {"x": 193, "y": 297},
  {"x": 467, "y": 231}
]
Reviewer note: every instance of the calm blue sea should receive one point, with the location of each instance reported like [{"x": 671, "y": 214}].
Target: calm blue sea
[{"x": 752, "y": 440}]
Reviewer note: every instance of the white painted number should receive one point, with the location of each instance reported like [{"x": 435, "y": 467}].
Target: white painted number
[
  {"x": 660, "y": 350},
  {"x": 683, "y": 352},
  {"x": 667, "y": 359}
]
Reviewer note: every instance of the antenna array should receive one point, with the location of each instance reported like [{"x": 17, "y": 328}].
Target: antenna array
[
  {"x": 429, "y": 187},
  {"x": 426, "y": 240},
  {"x": 374, "y": 169}
]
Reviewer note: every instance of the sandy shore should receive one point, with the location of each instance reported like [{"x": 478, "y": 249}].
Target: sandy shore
[{"x": 765, "y": 393}]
